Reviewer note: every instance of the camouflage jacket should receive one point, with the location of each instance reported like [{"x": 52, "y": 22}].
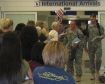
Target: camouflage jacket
[
  {"x": 93, "y": 32},
  {"x": 71, "y": 35}
]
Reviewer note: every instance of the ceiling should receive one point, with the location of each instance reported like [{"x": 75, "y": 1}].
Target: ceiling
[{"x": 80, "y": 15}]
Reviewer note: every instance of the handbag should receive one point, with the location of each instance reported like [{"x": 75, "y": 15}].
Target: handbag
[{"x": 102, "y": 78}]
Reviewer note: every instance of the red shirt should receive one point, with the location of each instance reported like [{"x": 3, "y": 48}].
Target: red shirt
[{"x": 34, "y": 64}]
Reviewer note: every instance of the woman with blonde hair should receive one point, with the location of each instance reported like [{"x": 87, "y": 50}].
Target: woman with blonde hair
[
  {"x": 6, "y": 24},
  {"x": 54, "y": 61},
  {"x": 53, "y": 34},
  {"x": 39, "y": 23},
  {"x": 42, "y": 25},
  {"x": 45, "y": 28},
  {"x": 41, "y": 36},
  {"x": 45, "y": 25}
]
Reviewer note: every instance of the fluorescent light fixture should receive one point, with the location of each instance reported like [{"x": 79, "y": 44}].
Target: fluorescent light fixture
[
  {"x": 69, "y": 22},
  {"x": 89, "y": 21}
]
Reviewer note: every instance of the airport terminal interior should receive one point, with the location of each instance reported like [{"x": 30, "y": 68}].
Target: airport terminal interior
[
  {"x": 69, "y": 15},
  {"x": 84, "y": 18},
  {"x": 50, "y": 16}
]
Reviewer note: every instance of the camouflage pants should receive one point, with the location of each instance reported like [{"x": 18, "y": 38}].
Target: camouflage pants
[
  {"x": 78, "y": 62},
  {"x": 95, "y": 51}
]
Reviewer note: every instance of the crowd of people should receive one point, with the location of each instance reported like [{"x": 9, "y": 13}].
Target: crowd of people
[{"x": 32, "y": 51}]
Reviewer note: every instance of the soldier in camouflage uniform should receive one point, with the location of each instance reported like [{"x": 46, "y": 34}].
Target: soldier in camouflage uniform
[
  {"x": 71, "y": 34},
  {"x": 95, "y": 47}
]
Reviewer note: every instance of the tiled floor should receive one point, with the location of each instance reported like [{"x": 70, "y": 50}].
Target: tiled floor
[
  {"x": 86, "y": 73},
  {"x": 86, "y": 79}
]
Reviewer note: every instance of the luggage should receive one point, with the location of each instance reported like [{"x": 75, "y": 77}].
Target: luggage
[{"x": 102, "y": 78}]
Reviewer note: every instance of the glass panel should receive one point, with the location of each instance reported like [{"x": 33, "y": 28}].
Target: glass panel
[
  {"x": 50, "y": 21},
  {"x": 102, "y": 19},
  {"x": 42, "y": 17},
  {"x": 20, "y": 18},
  {"x": 102, "y": 22}
]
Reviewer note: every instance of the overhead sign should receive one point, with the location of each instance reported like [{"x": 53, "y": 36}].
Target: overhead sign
[{"x": 68, "y": 3}]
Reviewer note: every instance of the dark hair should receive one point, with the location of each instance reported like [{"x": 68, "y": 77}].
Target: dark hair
[
  {"x": 93, "y": 15},
  {"x": 16, "y": 32},
  {"x": 36, "y": 53},
  {"x": 28, "y": 36},
  {"x": 19, "y": 26},
  {"x": 1, "y": 32},
  {"x": 10, "y": 56}
]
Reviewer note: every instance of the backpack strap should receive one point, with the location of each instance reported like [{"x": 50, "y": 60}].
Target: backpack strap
[{"x": 86, "y": 31}]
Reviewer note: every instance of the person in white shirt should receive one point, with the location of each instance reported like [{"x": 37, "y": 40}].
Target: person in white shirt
[{"x": 53, "y": 34}]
